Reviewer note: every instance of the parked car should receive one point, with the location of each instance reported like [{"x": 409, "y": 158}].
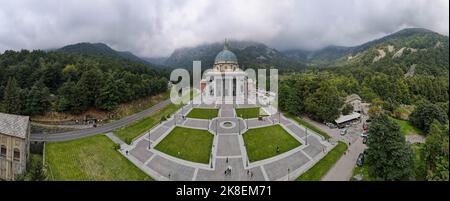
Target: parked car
[
  {"x": 364, "y": 134},
  {"x": 330, "y": 125},
  {"x": 365, "y": 139},
  {"x": 344, "y": 131},
  {"x": 360, "y": 160}
]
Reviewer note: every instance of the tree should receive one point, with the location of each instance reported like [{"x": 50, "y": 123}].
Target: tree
[
  {"x": 425, "y": 113},
  {"x": 35, "y": 169},
  {"x": 324, "y": 104},
  {"x": 38, "y": 101},
  {"x": 11, "y": 97},
  {"x": 437, "y": 152},
  {"x": 72, "y": 98},
  {"x": 348, "y": 108},
  {"x": 91, "y": 82},
  {"x": 109, "y": 94},
  {"x": 376, "y": 107},
  {"x": 388, "y": 156}
]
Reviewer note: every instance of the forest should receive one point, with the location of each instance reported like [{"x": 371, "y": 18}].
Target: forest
[
  {"x": 36, "y": 82},
  {"x": 422, "y": 100}
]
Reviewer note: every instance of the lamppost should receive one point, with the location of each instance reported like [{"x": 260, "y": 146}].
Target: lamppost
[
  {"x": 149, "y": 143},
  {"x": 239, "y": 125},
  {"x": 288, "y": 175},
  {"x": 246, "y": 122},
  {"x": 306, "y": 140},
  {"x": 279, "y": 117},
  {"x": 211, "y": 160}
]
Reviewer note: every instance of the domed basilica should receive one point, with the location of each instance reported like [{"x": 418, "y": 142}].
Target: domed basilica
[{"x": 226, "y": 81}]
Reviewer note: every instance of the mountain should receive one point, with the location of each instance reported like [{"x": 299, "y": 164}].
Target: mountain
[
  {"x": 413, "y": 46},
  {"x": 156, "y": 60},
  {"x": 250, "y": 55},
  {"x": 100, "y": 49},
  {"x": 322, "y": 56}
]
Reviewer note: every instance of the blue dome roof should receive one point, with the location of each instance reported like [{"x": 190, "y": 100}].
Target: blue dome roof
[{"x": 226, "y": 55}]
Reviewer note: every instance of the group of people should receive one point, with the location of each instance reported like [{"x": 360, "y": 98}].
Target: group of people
[{"x": 228, "y": 170}]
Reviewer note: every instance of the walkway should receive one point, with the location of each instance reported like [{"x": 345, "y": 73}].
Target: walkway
[
  {"x": 228, "y": 150},
  {"x": 343, "y": 168}
]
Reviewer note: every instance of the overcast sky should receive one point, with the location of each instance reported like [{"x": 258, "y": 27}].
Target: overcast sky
[{"x": 156, "y": 27}]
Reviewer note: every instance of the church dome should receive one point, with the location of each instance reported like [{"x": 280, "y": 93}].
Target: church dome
[{"x": 226, "y": 56}]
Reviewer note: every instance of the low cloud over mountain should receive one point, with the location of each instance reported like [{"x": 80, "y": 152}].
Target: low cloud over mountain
[{"x": 157, "y": 28}]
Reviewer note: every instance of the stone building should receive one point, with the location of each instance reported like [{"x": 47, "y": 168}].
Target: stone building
[
  {"x": 355, "y": 101},
  {"x": 226, "y": 81},
  {"x": 14, "y": 145}
]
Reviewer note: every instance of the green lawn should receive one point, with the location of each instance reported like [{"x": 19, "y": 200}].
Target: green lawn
[
  {"x": 406, "y": 128},
  {"x": 249, "y": 113},
  {"x": 128, "y": 133},
  {"x": 261, "y": 143},
  {"x": 321, "y": 168},
  {"x": 364, "y": 171},
  {"x": 188, "y": 144},
  {"x": 308, "y": 125},
  {"x": 90, "y": 159},
  {"x": 203, "y": 113}
]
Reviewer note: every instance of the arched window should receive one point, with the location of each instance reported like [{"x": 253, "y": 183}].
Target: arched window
[
  {"x": 16, "y": 154},
  {"x": 3, "y": 151}
]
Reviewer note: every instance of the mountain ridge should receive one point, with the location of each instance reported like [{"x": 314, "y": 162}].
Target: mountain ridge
[{"x": 100, "y": 49}]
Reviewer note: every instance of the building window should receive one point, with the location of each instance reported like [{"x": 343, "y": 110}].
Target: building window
[
  {"x": 16, "y": 154},
  {"x": 3, "y": 151}
]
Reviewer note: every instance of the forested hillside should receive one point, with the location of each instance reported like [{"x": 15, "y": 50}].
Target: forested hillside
[
  {"x": 420, "y": 50},
  {"x": 249, "y": 55},
  {"x": 37, "y": 82}
]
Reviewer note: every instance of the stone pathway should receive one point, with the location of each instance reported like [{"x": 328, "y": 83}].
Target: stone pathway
[
  {"x": 415, "y": 139},
  {"x": 343, "y": 169},
  {"x": 228, "y": 149}
]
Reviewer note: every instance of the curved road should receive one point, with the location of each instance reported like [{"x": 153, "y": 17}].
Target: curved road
[{"x": 101, "y": 129}]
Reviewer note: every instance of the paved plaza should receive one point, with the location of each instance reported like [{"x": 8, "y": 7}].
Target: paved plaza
[{"x": 228, "y": 150}]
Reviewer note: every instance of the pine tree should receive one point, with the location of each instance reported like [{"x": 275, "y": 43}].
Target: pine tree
[
  {"x": 38, "y": 99},
  {"x": 389, "y": 157},
  {"x": 11, "y": 97},
  {"x": 109, "y": 95}
]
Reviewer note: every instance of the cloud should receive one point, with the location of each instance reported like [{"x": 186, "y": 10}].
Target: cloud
[{"x": 156, "y": 27}]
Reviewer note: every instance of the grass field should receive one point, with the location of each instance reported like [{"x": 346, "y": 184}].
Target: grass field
[
  {"x": 203, "y": 113},
  {"x": 321, "y": 168},
  {"x": 90, "y": 159},
  {"x": 364, "y": 171},
  {"x": 188, "y": 144},
  {"x": 308, "y": 125},
  {"x": 136, "y": 106},
  {"x": 261, "y": 143},
  {"x": 128, "y": 133},
  {"x": 249, "y": 113},
  {"x": 407, "y": 128}
]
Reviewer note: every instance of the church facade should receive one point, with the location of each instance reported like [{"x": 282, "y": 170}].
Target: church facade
[{"x": 226, "y": 81}]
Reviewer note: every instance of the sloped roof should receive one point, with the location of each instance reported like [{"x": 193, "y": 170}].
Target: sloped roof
[
  {"x": 352, "y": 97},
  {"x": 345, "y": 118},
  {"x": 14, "y": 125}
]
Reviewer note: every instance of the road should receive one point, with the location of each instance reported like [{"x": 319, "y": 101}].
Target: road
[
  {"x": 70, "y": 135},
  {"x": 342, "y": 170}
]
